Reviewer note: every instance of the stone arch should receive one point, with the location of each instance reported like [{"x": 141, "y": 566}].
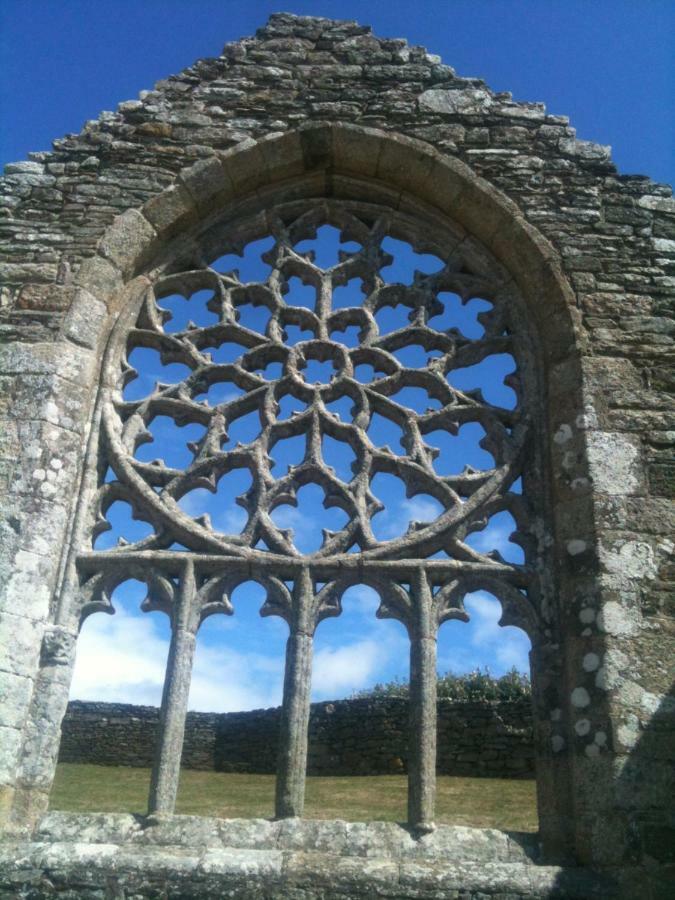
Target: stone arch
[
  {"x": 341, "y": 162},
  {"x": 405, "y": 169}
]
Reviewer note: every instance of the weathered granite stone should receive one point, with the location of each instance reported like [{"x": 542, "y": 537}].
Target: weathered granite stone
[{"x": 96, "y": 855}]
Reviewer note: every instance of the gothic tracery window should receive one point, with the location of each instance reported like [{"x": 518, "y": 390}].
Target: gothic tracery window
[{"x": 335, "y": 373}]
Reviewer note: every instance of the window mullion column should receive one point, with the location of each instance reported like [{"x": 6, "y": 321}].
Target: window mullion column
[
  {"x": 423, "y": 629},
  {"x": 292, "y": 758},
  {"x": 166, "y": 768}
]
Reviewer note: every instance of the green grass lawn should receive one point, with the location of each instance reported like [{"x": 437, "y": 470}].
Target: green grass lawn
[{"x": 480, "y": 802}]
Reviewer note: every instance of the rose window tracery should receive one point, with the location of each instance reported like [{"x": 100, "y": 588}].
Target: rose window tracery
[
  {"x": 322, "y": 369},
  {"x": 345, "y": 370}
]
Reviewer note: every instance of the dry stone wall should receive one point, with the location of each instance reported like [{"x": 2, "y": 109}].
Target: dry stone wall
[{"x": 346, "y": 737}]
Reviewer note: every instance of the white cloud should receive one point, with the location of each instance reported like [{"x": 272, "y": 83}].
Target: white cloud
[
  {"x": 225, "y": 680},
  {"x": 491, "y": 538},
  {"x": 230, "y": 521},
  {"x": 338, "y": 670},
  {"x": 394, "y": 519},
  {"x": 307, "y": 527},
  {"x": 513, "y": 650},
  {"x": 226, "y": 516},
  {"x": 362, "y": 598},
  {"x": 482, "y": 642},
  {"x": 495, "y": 536},
  {"x": 421, "y": 509},
  {"x": 122, "y": 659}
]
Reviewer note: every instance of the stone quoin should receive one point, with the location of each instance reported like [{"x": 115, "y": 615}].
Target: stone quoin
[{"x": 314, "y": 122}]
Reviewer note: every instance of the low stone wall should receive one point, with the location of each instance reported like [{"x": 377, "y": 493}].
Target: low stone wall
[{"x": 346, "y": 737}]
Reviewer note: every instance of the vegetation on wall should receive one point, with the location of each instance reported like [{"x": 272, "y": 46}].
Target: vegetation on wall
[{"x": 474, "y": 686}]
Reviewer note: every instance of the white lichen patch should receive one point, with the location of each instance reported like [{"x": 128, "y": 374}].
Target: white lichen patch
[
  {"x": 557, "y": 743},
  {"x": 590, "y": 662},
  {"x": 587, "y": 419},
  {"x": 614, "y": 462},
  {"x": 627, "y": 737},
  {"x": 618, "y": 620},
  {"x": 563, "y": 435},
  {"x": 569, "y": 460},
  {"x": 51, "y": 410},
  {"x": 631, "y": 560},
  {"x": 587, "y": 615},
  {"x": 582, "y": 727},
  {"x": 650, "y": 702},
  {"x": 580, "y": 697},
  {"x": 576, "y": 546}
]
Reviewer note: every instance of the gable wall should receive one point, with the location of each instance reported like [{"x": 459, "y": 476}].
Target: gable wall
[{"x": 615, "y": 237}]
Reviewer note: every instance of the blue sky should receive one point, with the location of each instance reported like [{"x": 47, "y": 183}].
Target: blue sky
[{"x": 608, "y": 65}]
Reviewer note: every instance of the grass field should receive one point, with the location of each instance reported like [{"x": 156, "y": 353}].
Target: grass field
[{"x": 480, "y": 802}]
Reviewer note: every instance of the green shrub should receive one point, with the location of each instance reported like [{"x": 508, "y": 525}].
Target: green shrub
[{"x": 474, "y": 686}]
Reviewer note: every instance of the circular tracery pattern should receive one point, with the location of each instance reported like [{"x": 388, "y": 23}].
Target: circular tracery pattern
[{"x": 337, "y": 336}]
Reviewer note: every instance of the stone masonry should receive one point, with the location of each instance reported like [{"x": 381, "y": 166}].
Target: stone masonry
[
  {"x": 317, "y": 120},
  {"x": 346, "y": 737}
]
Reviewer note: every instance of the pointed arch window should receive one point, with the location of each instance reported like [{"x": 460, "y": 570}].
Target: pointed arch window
[{"x": 328, "y": 344}]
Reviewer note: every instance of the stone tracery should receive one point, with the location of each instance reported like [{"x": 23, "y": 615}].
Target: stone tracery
[{"x": 191, "y": 568}]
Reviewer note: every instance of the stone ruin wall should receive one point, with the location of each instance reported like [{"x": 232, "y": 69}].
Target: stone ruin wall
[
  {"x": 346, "y": 737},
  {"x": 592, "y": 251}
]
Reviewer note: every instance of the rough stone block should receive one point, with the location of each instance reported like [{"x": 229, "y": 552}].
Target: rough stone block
[
  {"x": 10, "y": 744},
  {"x": 206, "y": 180},
  {"x": 129, "y": 242},
  {"x": 45, "y": 297},
  {"x": 283, "y": 155},
  {"x": 85, "y": 320},
  {"x": 356, "y": 150},
  {"x": 451, "y": 101},
  {"x": 26, "y": 591},
  {"x": 21, "y": 272},
  {"x": 15, "y": 695},
  {"x": 20, "y": 639},
  {"x": 246, "y": 167},
  {"x": 99, "y": 277},
  {"x": 170, "y": 212}
]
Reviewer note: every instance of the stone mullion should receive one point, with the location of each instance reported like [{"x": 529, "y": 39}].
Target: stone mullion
[
  {"x": 422, "y": 756},
  {"x": 324, "y": 302},
  {"x": 292, "y": 758},
  {"x": 166, "y": 768}
]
